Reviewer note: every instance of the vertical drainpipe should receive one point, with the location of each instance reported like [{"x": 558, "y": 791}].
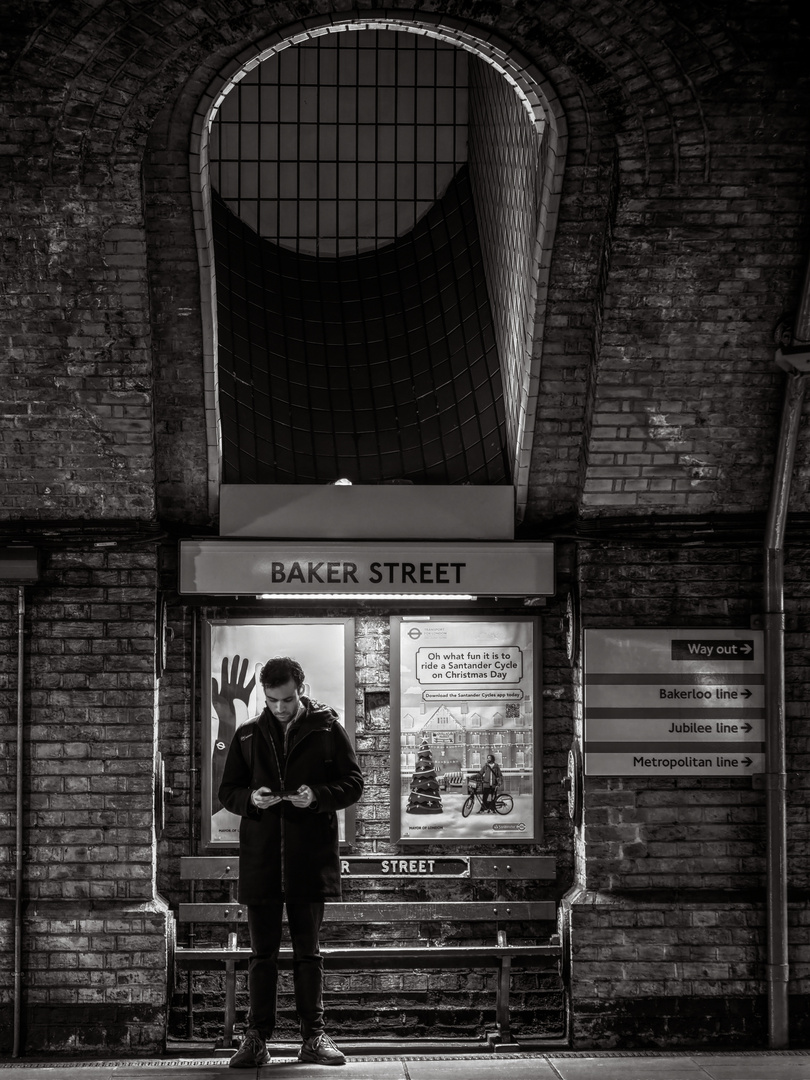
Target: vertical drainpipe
[
  {"x": 18, "y": 885},
  {"x": 192, "y": 847},
  {"x": 795, "y": 359}
]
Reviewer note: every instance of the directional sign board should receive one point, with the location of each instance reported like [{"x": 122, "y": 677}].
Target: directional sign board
[{"x": 674, "y": 702}]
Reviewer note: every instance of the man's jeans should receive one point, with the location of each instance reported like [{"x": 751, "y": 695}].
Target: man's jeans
[{"x": 264, "y": 922}]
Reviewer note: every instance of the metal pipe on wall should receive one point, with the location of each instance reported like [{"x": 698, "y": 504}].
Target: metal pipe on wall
[
  {"x": 192, "y": 847},
  {"x": 778, "y": 969},
  {"x": 776, "y": 774},
  {"x": 18, "y": 885}
]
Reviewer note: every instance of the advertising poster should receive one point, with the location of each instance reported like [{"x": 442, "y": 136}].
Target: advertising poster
[
  {"x": 234, "y": 652},
  {"x": 465, "y": 739}
]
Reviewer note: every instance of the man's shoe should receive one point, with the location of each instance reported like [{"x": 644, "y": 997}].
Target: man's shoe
[
  {"x": 320, "y": 1050},
  {"x": 252, "y": 1052}
]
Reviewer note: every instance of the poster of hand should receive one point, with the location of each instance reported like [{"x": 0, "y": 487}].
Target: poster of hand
[
  {"x": 232, "y": 688},
  {"x": 234, "y": 652}
]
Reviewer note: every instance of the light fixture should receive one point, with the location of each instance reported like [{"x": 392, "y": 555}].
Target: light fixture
[
  {"x": 343, "y": 482},
  {"x": 365, "y": 596}
]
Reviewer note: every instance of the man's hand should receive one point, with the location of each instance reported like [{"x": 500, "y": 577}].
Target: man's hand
[
  {"x": 263, "y": 797},
  {"x": 303, "y": 798}
]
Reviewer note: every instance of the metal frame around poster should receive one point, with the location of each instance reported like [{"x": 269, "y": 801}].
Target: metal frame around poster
[
  {"x": 325, "y": 672},
  {"x": 524, "y": 825}
]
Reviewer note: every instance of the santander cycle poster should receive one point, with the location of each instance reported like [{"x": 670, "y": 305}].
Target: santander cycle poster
[{"x": 464, "y": 719}]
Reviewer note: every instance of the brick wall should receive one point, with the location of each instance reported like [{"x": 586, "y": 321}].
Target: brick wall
[
  {"x": 77, "y": 411},
  {"x": 684, "y": 972},
  {"x": 181, "y": 451},
  {"x": 667, "y": 923},
  {"x": 686, "y": 394},
  {"x": 94, "y": 933}
]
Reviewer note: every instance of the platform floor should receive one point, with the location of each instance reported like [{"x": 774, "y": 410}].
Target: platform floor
[{"x": 554, "y": 1065}]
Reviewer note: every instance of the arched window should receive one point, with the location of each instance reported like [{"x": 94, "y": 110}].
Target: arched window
[{"x": 378, "y": 206}]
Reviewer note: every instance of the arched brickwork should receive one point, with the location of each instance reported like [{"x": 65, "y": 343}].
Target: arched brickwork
[
  {"x": 560, "y": 397},
  {"x": 118, "y": 64},
  {"x": 520, "y": 372},
  {"x": 630, "y": 79}
]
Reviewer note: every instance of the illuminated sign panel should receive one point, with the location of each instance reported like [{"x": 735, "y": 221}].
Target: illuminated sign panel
[
  {"x": 311, "y": 569},
  {"x": 674, "y": 702}
]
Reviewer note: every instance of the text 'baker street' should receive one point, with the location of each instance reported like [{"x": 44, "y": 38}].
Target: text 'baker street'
[{"x": 392, "y": 573}]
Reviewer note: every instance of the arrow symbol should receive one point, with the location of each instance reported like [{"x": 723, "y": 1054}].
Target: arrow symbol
[
  {"x": 747, "y": 761},
  {"x": 746, "y": 648},
  {"x": 746, "y": 693},
  {"x": 746, "y": 727}
]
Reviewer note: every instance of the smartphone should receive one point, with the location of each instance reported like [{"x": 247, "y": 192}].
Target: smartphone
[{"x": 285, "y": 794}]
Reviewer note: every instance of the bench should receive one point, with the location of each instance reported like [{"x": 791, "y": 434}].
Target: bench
[{"x": 425, "y": 920}]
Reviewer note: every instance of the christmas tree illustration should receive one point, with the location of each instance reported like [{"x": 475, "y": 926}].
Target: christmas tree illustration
[{"x": 424, "y": 797}]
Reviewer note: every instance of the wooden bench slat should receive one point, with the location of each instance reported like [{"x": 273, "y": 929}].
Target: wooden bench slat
[
  {"x": 426, "y": 954},
  {"x": 397, "y": 911},
  {"x": 517, "y": 867},
  {"x": 209, "y": 868}
]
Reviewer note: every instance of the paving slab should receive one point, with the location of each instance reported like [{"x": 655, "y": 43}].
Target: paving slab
[
  {"x": 481, "y": 1068},
  {"x": 623, "y": 1068},
  {"x": 755, "y": 1068},
  {"x": 286, "y": 1069}
]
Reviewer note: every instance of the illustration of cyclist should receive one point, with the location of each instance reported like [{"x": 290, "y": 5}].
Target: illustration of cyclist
[{"x": 492, "y": 780}]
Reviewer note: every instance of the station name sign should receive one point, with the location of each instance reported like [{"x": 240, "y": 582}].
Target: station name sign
[
  {"x": 231, "y": 567},
  {"x": 397, "y": 866}
]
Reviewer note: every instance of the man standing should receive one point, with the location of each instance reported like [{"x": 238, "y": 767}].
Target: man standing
[
  {"x": 287, "y": 773},
  {"x": 492, "y": 779}
]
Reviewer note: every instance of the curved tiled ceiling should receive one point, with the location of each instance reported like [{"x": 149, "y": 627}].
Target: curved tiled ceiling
[
  {"x": 342, "y": 143},
  {"x": 352, "y": 144},
  {"x": 378, "y": 366}
]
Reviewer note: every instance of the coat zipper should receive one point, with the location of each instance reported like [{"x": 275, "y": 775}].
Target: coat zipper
[{"x": 283, "y": 775}]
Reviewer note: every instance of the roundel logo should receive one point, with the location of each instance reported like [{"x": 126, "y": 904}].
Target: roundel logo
[
  {"x": 414, "y": 633},
  {"x": 220, "y": 745}
]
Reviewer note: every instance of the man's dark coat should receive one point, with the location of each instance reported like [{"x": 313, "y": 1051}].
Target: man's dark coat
[{"x": 285, "y": 852}]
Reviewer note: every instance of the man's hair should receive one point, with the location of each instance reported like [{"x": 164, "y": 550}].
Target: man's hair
[
  {"x": 279, "y": 670},
  {"x": 490, "y": 756}
]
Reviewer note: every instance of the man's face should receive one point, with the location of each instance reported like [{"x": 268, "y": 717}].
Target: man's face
[{"x": 283, "y": 701}]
